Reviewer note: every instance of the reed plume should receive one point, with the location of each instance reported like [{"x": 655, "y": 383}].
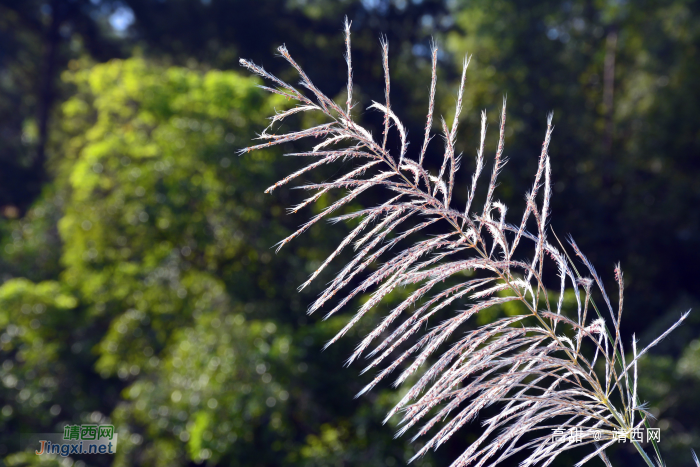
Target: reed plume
[{"x": 550, "y": 373}]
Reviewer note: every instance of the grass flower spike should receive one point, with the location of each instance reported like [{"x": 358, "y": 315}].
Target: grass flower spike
[{"x": 547, "y": 370}]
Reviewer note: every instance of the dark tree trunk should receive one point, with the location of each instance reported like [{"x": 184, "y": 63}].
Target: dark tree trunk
[
  {"x": 46, "y": 92},
  {"x": 609, "y": 88}
]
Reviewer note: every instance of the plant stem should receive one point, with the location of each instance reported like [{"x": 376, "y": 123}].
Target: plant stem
[{"x": 619, "y": 361}]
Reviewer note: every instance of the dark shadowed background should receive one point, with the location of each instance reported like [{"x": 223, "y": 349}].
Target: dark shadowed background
[{"x": 138, "y": 284}]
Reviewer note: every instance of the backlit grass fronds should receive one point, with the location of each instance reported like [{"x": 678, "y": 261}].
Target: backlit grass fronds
[{"x": 547, "y": 371}]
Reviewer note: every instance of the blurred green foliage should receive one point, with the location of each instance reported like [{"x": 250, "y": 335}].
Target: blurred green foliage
[{"x": 168, "y": 316}]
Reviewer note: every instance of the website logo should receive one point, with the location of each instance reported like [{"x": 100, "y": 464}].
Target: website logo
[{"x": 75, "y": 439}]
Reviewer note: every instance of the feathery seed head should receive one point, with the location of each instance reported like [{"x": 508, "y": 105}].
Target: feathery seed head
[{"x": 539, "y": 376}]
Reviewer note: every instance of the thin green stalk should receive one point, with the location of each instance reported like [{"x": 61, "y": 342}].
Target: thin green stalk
[{"x": 619, "y": 361}]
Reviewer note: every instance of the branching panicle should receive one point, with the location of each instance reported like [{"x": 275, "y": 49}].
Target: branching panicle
[{"x": 543, "y": 378}]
